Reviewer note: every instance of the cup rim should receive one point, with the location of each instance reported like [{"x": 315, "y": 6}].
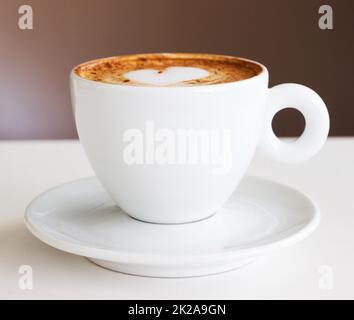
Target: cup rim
[{"x": 263, "y": 73}]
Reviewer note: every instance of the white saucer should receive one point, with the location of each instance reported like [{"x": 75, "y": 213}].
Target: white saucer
[{"x": 261, "y": 216}]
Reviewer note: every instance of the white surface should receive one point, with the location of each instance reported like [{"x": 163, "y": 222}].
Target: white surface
[
  {"x": 29, "y": 168},
  {"x": 260, "y": 217}
]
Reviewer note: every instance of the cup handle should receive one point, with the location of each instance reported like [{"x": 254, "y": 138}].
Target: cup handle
[{"x": 310, "y": 104}]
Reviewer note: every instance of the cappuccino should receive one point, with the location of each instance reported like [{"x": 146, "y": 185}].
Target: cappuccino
[{"x": 168, "y": 69}]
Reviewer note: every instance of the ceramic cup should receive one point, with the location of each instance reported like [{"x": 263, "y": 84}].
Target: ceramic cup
[{"x": 176, "y": 154}]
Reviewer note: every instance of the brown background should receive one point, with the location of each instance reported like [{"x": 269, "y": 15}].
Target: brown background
[{"x": 283, "y": 34}]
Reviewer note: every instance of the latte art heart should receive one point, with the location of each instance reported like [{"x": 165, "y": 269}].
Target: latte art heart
[{"x": 167, "y": 77}]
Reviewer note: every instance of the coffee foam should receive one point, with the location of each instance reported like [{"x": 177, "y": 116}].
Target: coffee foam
[{"x": 168, "y": 70}]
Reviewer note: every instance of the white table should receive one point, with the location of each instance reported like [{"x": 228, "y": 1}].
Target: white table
[{"x": 300, "y": 272}]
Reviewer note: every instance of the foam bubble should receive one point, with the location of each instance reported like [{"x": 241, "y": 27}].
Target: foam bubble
[{"x": 169, "y": 76}]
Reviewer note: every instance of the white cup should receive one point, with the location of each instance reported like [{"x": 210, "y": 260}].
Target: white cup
[{"x": 134, "y": 137}]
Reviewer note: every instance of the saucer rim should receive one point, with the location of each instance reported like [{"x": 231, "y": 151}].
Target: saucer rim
[{"x": 178, "y": 259}]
